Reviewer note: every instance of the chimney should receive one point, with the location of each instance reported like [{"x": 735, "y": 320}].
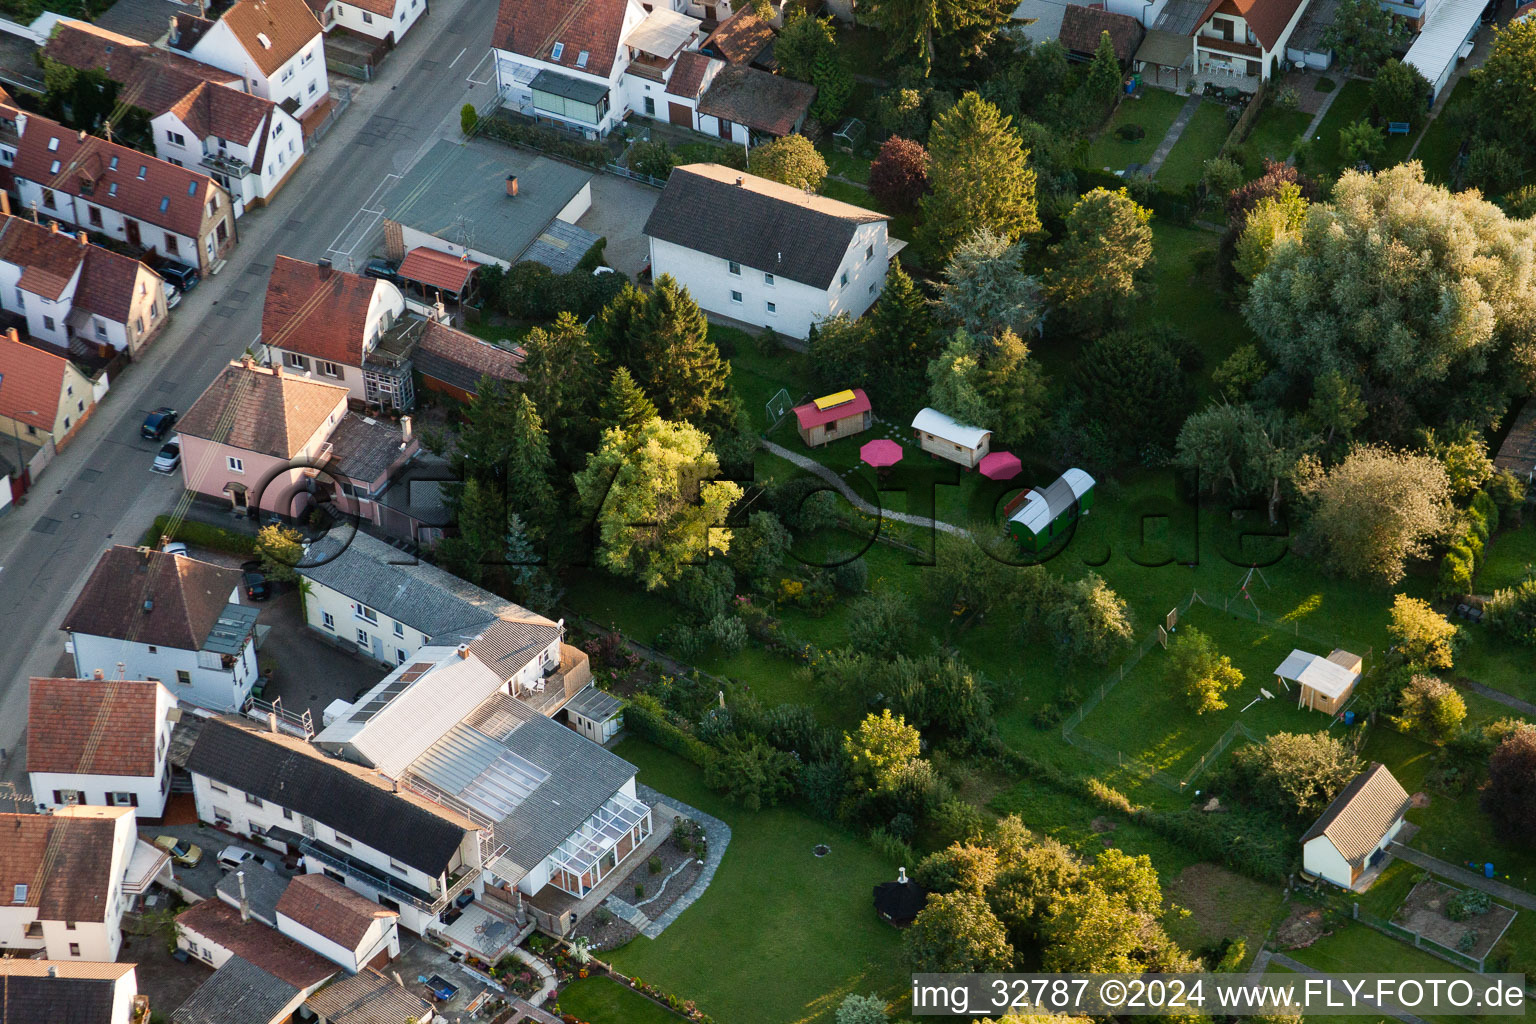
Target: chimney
[
  {"x": 463, "y": 650},
  {"x": 324, "y": 264},
  {"x": 512, "y": 185},
  {"x": 85, "y": 238},
  {"x": 740, "y": 180},
  {"x": 277, "y": 369},
  {"x": 53, "y": 971},
  {"x": 272, "y": 721},
  {"x": 901, "y": 875},
  {"x": 248, "y": 362},
  {"x": 53, "y": 227},
  {"x": 174, "y": 38},
  {"x": 122, "y": 670},
  {"x": 82, "y": 134},
  {"x": 245, "y": 904},
  {"x": 98, "y": 675},
  {"x": 405, "y": 428}
]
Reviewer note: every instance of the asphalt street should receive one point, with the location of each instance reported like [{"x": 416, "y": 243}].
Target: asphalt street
[{"x": 99, "y": 491}]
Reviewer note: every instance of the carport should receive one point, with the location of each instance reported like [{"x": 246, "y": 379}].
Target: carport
[{"x": 1165, "y": 51}]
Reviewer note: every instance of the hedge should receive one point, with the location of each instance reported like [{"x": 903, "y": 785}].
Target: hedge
[
  {"x": 645, "y": 718},
  {"x": 201, "y": 535},
  {"x": 546, "y": 140}
]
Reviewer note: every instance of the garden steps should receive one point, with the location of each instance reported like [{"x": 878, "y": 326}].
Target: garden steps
[{"x": 628, "y": 912}]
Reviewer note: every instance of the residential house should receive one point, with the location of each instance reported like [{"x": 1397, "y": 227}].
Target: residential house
[
  {"x": 67, "y": 877},
  {"x": 43, "y": 396},
  {"x": 744, "y": 106},
  {"x": 166, "y": 618},
  {"x": 1082, "y": 28},
  {"x": 366, "y": 455},
  {"x": 337, "y": 923},
  {"x": 75, "y": 295},
  {"x": 349, "y": 822},
  {"x": 385, "y": 20},
  {"x": 1245, "y": 39},
  {"x": 277, "y": 46},
  {"x": 1446, "y": 29},
  {"x": 587, "y": 64},
  {"x": 200, "y": 116},
  {"x": 340, "y": 327},
  {"x": 754, "y": 250},
  {"x": 1516, "y": 455},
  {"x": 100, "y": 741},
  {"x": 1353, "y": 833},
  {"x": 367, "y": 997},
  {"x": 260, "y": 973},
  {"x": 149, "y": 203},
  {"x": 743, "y": 38},
  {"x": 70, "y": 992},
  {"x": 453, "y": 362},
  {"x": 391, "y": 605},
  {"x": 255, "y": 436},
  {"x": 503, "y": 206}
]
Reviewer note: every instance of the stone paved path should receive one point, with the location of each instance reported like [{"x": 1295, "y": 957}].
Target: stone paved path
[
  {"x": 1457, "y": 873},
  {"x": 1390, "y": 1009},
  {"x": 859, "y": 503},
  {"x": 1525, "y": 707},
  {"x": 628, "y": 911},
  {"x": 1174, "y": 131},
  {"x": 718, "y": 835},
  {"x": 1317, "y": 120}
]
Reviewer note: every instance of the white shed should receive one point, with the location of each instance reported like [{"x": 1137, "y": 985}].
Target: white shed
[
  {"x": 1325, "y": 683},
  {"x": 1355, "y": 830},
  {"x": 950, "y": 439}
]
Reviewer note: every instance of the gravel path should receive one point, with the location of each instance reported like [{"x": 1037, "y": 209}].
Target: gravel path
[
  {"x": 718, "y": 836},
  {"x": 848, "y": 492}
]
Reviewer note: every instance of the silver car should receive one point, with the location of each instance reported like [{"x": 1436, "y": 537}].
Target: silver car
[{"x": 169, "y": 456}]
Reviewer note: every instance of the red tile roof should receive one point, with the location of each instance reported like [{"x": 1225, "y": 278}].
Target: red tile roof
[
  {"x": 460, "y": 359},
  {"x": 31, "y": 383},
  {"x": 1267, "y": 18},
  {"x": 287, "y": 25},
  {"x": 48, "y": 257},
  {"x": 688, "y": 74},
  {"x": 263, "y": 410},
  {"x": 166, "y": 196},
  {"x": 330, "y": 909},
  {"x": 266, "y": 947},
  {"x": 215, "y": 110},
  {"x": 740, "y": 38},
  {"x": 533, "y": 27},
  {"x": 83, "y": 45},
  {"x": 809, "y": 416},
  {"x": 319, "y": 311},
  {"x": 186, "y": 597},
  {"x": 63, "y": 859},
  {"x": 437, "y": 269},
  {"x": 107, "y": 283},
  {"x": 1083, "y": 27},
  {"x": 63, "y": 712}
]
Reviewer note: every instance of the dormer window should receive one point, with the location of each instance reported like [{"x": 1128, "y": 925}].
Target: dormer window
[
  {"x": 19, "y": 894},
  {"x": 555, "y": 54},
  {"x": 53, "y": 168},
  {"x": 112, "y": 189},
  {"x": 581, "y": 59}
]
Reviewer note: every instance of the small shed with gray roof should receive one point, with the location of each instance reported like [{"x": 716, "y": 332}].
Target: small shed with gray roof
[
  {"x": 239, "y": 992},
  {"x": 1037, "y": 517},
  {"x": 596, "y": 714}
]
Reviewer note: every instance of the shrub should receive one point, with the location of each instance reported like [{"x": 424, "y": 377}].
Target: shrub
[
  {"x": 469, "y": 119},
  {"x": 881, "y": 623},
  {"x": 1430, "y": 707},
  {"x": 202, "y": 535},
  {"x": 547, "y": 140},
  {"x": 1468, "y": 940},
  {"x": 644, "y": 717},
  {"x": 654, "y": 865},
  {"x": 851, "y": 577},
  {"x": 751, "y": 773},
  {"x": 728, "y": 633},
  {"x": 654, "y": 159},
  {"x": 1468, "y": 903},
  {"x": 1511, "y": 612},
  {"x": 857, "y": 1009},
  {"x": 1423, "y": 635},
  {"x": 790, "y": 160},
  {"x": 955, "y": 821}
]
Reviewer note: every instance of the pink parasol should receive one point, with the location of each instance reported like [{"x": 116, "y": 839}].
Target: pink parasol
[
  {"x": 1001, "y": 466},
  {"x": 881, "y": 454}
]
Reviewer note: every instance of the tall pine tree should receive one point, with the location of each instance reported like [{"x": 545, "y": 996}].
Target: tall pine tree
[
  {"x": 979, "y": 176},
  {"x": 625, "y": 404},
  {"x": 902, "y": 340}
]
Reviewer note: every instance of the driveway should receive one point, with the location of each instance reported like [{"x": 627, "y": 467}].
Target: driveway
[
  {"x": 203, "y": 878},
  {"x": 308, "y": 670},
  {"x": 419, "y": 958},
  {"x": 620, "y": 208}
]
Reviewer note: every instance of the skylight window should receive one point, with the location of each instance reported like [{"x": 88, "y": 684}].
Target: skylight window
[
  {"x": 19, "y": 895},
  {"x": 53, "y": 145},
  {"x": 112, "y": 189},
  {"x": 54, "y": 168},
  {"x": 113, "y": 165},
  {"x": 557, "y": 52},
  {"x": 191, "y": 188},
  {"x": 165, "y": 203},
  {"x": 581, "y": 59},
  {"x": 143, "y": 171}
]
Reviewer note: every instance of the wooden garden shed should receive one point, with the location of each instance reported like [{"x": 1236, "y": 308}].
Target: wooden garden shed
[
  {"x": 1038, "y": 516},
  {"x": 938, "y": 434},
  {"x": 1325, "y": 684},
  {"x": 833, "y": 416}
]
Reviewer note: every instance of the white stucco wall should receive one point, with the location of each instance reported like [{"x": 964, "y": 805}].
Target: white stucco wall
[
  {"x": 218, "y": 689},
  {"x": 345, "y": 622},
  {"x": 375, "y": 26}
]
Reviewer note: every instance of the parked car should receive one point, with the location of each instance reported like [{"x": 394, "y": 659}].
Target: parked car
[
  {"x": 182, "y": 852},
  {"x": 254, "y": 579},
  {"x": 235, "y": 858},
  {"x": 179, "y": 274},
  {"x": 176, "y": 547},
  {"x": 169, "y": 456},
  {"x": 384, "y": 270},
  {"x": 172, "y": 295},
  {"x": 158, "y": 423}
]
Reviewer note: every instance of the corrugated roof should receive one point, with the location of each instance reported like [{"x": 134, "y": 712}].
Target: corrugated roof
[
  {"x": 1328, "y": 678},
  {"x": 367, "y": 998},
  {"x": 1445, "y": 30},
  {"x": 598, "y": 705},
  {"x": 1045, "y": 506},
  {"x": 239, "y": 992},
  {"x": 946, "y": 428},
  {"x": 1362, "y": 814}
]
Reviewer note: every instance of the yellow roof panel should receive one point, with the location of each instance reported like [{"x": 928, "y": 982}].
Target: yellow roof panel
[{"x": 828, "y": 401}]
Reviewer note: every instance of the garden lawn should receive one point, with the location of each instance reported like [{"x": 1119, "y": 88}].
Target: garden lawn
[
  {"x": 1273, "y": 138},
  {"x": 780, "y": 936},
  {"x": 1441, "y": 141},
  {"x": 1187, "y": 296},
  {"x": 1222, "y": 905},
  {"x": 1509, "y": 559},
  {"x": 1453, "y": 827},
  {"x": 1201, "y": 141},
  {"x": 1154, "y": 111},
  {"x": 1147, "y": 718},
  {"x": 852, "y": 166},
  {"x": 601, "y": 1000},
  {"x": 497, "y": 334},
  {"x": 1351, "y": 104}
]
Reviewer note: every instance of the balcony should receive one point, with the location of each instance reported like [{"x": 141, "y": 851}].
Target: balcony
[
  {"x": 1216, "y": 44},
  {"x": 560, "y": 683},
  {"x": 226, "y": 164},
  {"x": 646, "y": 66},
  {"x": 393, "y": 888}
]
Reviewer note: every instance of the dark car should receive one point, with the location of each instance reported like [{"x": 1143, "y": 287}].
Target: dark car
[
  {"x": 179, "y": 274},
  {"x": 384, "y": 270},
  {"x": 254, "y": 579},
  {"x": 158, "y": 423}
]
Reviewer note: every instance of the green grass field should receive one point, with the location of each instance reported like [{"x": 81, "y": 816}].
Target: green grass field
[
  {"x": 1145, "y": 718},
  {"x": 1509, "y": 559},
  {"x": 1437, "y": 149},
  {"x": 1273, "y": 137},
  {"x": 780, "y": 935},
  {"x": 1154, "y": 110},
  {"x": 1201, "y": 141},
  {"x": 1352, "y": 103},
  {"x": 1189, "y": 296},
  {"x": 600, "y": 1000}
]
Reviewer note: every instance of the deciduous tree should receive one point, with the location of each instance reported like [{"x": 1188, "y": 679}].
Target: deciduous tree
[
  {"x": 1430, "y": 707},
  {"x": 790, "y": 160},
  {"x": 1510, "y": 797},
  {"x": 1103, "y": 263},
  {"x": 280, "y": 548},
  {"x": 957, "y": 933},
  {"x": 1422, "y": 635},
  {"x": 898, "y": 177},
  {"x": 1199, "y": 671},
  {"x": 979, "y": 176},
  {"x": 1296, "y": 774},
  {"x": 1400, "y": 93},
  {"x": 1506, "y": 87},
  {"x": 880, "y": 746},
  {"x": 652, "y": 494}
]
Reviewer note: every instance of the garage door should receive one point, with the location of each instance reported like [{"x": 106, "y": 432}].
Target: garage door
[{"x": 680, "y": 113}]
